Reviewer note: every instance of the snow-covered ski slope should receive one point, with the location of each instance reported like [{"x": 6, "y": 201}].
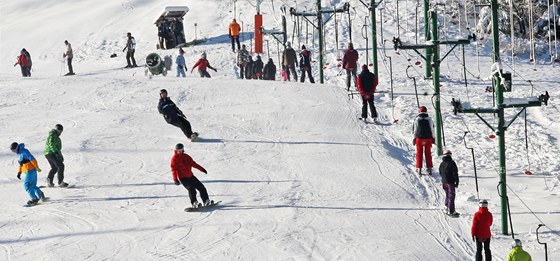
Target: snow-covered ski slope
[{"x": 299, "y": 176}]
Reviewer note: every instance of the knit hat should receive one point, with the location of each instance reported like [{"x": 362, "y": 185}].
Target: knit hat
[
  {"x": 483, "y": 203},
  {"x": 58, "y": 127},
  {"x": 447, "y": 152},
  {"x": 179, "y": 146},
  {"x": 163, "y": 91},
  {"x": 14, "y": 146},
  {"x": 364, "y": 68},
  {"x": 422, "y": 109},
  {"x": 181, "y": 50},
  {"x": 288, "y": 44},
  {"x": 303, "y": 46}
]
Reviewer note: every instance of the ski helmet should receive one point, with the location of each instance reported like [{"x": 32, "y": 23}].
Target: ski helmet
[
  {"x": 179, "y": 146},
  {"x": 422, "y": 109},
  {"x": 58, "y": 127},
  {"x": 447, "y": 152},
  {"x": 14, "y": 146},
  {"x": 483, "y": 203},
  {"x": 516, "y": 243},
  {"x": 163, "y": 91}
]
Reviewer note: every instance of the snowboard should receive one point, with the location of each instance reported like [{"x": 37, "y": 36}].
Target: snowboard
[
  {"x": 38, "y": 203},
  {"x": 69, "y": 186},
  {"x": 191, "y": 209},
  {"x": 194, "y": 136}
]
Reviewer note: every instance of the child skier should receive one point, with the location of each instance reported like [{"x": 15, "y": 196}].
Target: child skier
[
  {"x": 202, "y": 64},
  {"x": 28, "y": 165},
  {"x": 423, "y": 130},
  {"x": 180, "y": 61},
  {"x": 449, "y": 180},
  {"x": 181, "y": 169}
]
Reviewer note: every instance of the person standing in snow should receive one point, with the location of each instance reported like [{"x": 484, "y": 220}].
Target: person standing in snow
[
  {"x": 249, "y": 68},
  {"x": 289, "y": 60},
  {"x": 69, "y": 54},
  {"x": 28, "y": 56},
  {"x": 177, "y": 29},
  {"x": 53, "y": 153},
  {"x": 367, "y": 83},
  {"x": 517, "y": 253},
  {"x": 350, "y": 64},
  {"x": 181, "y": 169},
  {"x": 305, "y": 64},
  {"x": 131, "y": 46},
  {"x": 258, "y": 68},
  {"x": 202, "y": 64},
  {"x": 180, "y": 61},
  {"x": 449, "y": 180},
  {"x": 242, "y": 60},
  {"x": 233, "y": 32},
  {"x": 423, "y": 129},
  {"x": 269, "y": 71},
  {"x": 23, "y": 62},
  {"x": 480, "y": 231},
  {"x": 28, "y": 165},
  {"x": 173, "y": 115}
]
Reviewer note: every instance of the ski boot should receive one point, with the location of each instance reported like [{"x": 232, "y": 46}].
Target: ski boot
[
  {"x": 208, "y": 202},
  {"x": 62, "y": 184},
  {"x": 43, "y": 198},
  {"x": 429, "y": 171}
]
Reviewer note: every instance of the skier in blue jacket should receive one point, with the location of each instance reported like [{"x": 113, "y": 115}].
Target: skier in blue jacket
[
  {"x": 28, "y": 165},
  {"x": 180, "y": 61}
]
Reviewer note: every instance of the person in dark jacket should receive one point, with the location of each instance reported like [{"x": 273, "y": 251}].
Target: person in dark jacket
[
  {"x": 181, "y": 169},
  {"x": 249, "y": 68},
  {"x": 242, "y": 60},
  {"x": 69, "y": 55},
  {"x": 289, "y": 60},
  {"x": 350, "y": 64},
  {"x": 367, "y": 83},
  {"x": 449, "y": 180},
  {"x": 269, "y": 72},
  {"x": 177, "y": 29},
  {"x": 480, "y": 231},
  {"x": 305, "y": 64},
  {"x": 173, "y": 115},
  {"x": 258, "y": 68},
  {"x": 53, "y": 153},
  {"x": 423, "y": 129}
]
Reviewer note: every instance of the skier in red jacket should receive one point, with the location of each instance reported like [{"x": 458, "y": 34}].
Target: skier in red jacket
[
  {"x": 202, "y": 64},
  {"x": 480, "y": 231},
  {"x": 350, "y": 64},
  {"x": 181, "y": 168}
]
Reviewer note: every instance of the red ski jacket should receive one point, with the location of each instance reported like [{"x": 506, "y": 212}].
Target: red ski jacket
[
  {"x": 482, "y": 221},
  {"x": 202, "y": 63},
  {"x": 182, "y": 164},
  {"x": 350, "y": 59},
  {"x": 22, "y": 60}
]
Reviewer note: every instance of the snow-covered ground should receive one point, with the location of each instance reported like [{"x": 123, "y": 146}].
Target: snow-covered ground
[{"x": 299, "y": 176}]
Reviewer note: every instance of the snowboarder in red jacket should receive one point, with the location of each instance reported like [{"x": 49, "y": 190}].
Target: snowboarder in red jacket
[
  {"x": 367, "y": 83},
  {"x": 181, "y": 168},
  {"x": 480, "y": 231}
]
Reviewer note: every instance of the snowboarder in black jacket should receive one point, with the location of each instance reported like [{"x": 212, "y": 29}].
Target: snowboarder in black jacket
[
  {"x": 173, "y": 115},
  {"x": 269, "y": 72},
  {"x": 249, "y": 68},
  {"x": 449, "y": 180}
]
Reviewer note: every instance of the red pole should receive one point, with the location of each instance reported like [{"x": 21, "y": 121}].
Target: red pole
[{"x": 258, "y": 34}]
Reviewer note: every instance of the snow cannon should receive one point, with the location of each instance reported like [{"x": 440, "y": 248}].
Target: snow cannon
[{"x": 154, "y": 65}]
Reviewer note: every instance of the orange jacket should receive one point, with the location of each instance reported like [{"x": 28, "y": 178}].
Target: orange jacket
[{"x": 234, "y": 29}]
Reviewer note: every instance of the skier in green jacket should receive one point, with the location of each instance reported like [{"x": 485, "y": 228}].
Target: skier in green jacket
[
  {"x": 517, "y": 253},
  {"x": 54, "y": 156}
]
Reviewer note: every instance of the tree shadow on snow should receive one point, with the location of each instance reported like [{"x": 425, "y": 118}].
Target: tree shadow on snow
[
  {"x": 86, "y": 199},
  {"x": 247, "y": 181},
  {"x": 207, "y": 140},
  {"x": 241, "y": 207},
  {"x": 298, "y": 142},
  {"x": 130, "y": 185}
]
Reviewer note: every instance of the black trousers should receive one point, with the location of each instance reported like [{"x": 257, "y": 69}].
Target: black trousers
[
  {"x": 130, "y": 56},
  {"x": 70, "y": 69},
  {"x": 365, "y": 103},
  {"x": 57, "y": 166},
  {"x": 184, "y": 125},
  {"x": 192, "y": 184},
  {"x": 291, "y": 68},
  {"x": 308, "y": 70},
  {"x": 487, "y": 252},
  {"x": 235, "y": 39}
]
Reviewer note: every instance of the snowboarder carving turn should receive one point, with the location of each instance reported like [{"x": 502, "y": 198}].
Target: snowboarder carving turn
[
  {"x": 174, "y": 116},
  {"x": 28, "y": 165},
  {"x": 181, "y": 169},
  {"x": 423, "y": 130}
]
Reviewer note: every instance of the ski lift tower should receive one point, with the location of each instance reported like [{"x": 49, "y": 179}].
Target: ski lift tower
[
  {"x": 501, "y": 82},
  {"x": 258, "y": 25},
  {"x": 319, "y": 26}
]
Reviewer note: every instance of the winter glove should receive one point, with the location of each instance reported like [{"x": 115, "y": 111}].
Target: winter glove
[
  {"x": 19, "y": 175},
  {"x": 177, "y": 182},
  {"x": 15, "y": 64},
  {"x": 124, "y": 49},
  {"x": 414, "y": 141},
  {"x": 215, "y": 70},
  {"x": 204, "y": 171},
  {"x": 38, "y": 169},
  {"x": 456, "y": 184}
]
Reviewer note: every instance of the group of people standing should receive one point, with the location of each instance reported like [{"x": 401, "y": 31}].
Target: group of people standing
[
  {"x": 170, "y": 33},
  {"x": 256, "y": 69}
]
